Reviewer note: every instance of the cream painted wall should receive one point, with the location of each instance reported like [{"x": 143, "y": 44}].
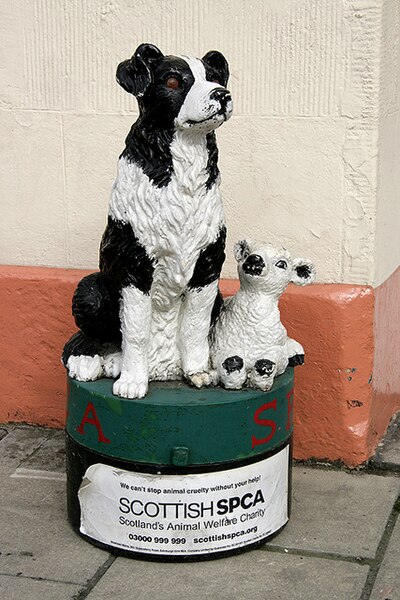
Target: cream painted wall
[
  {"x": 387, "y": 256},
  {"x": 298, "y": 160}
]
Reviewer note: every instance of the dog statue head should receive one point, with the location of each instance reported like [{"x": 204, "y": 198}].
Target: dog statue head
[
  {"x": 178, "y": 91},
  {"x": 269, "y": 269}
]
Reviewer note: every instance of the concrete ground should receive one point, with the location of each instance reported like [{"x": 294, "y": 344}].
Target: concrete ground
[{"x": 342, "y": 541}]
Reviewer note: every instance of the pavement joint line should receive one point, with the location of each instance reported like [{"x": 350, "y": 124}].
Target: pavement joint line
[
  {"x": 93, "y": 581},
  {"x": 381, "y": 551},
  {"x": 4, "y": 431},
  {"x": 36, "y": 578},
  {"x": 23, "y": 473},
  {"x": 359, "y": 560},
  {"x": 24, "y": 425},
  {"x": 384, "y": 470}
]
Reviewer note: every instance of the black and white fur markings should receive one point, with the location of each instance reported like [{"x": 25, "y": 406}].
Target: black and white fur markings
[{"x": 163, "y": 249}]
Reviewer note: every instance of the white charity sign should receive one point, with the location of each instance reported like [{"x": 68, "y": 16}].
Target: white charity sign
[{"x": 185, "y": 514}]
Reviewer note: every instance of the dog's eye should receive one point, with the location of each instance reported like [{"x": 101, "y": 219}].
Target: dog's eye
[
  {"x": 281, "y": 264},
  {"x": 172, "y": 83}
]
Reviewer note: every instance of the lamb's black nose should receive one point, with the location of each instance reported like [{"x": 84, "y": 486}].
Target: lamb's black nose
[
  {"x": 221, "y": 94},
  {"x": 253, "y": 265}
]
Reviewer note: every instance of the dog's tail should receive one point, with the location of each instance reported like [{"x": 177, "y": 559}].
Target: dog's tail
[
  {"x": 95, "y": 312},
  {"x": 96, "y": 315}
]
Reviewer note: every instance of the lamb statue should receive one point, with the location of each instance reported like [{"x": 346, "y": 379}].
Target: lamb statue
[{"x": 249, "y": 344}]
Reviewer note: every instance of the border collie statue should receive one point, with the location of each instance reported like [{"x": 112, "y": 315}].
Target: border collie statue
[{"x": 146, "y": 314}]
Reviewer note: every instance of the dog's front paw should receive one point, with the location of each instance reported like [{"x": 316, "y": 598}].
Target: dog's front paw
[
  {"x": 112, "y": 364},
  {"x": 200, "y": 380},
  {"x": 127, "y": 386},
  {"x": 85, "y": 368}
]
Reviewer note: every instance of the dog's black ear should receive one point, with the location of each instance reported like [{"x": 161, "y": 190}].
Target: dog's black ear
[
  {"x": 135, "y": 74},
  {"x": 218, "y": 63}
]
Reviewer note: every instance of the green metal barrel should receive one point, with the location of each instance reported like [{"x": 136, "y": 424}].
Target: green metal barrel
[{"x": 182, "y": 474}]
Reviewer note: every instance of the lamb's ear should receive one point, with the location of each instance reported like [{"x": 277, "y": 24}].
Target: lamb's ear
[
  {"x": 303, "y": 271},
  {"x": 135, "y": 74},
  {"x": 241, "y": 250},
  {"x": 218, "y": 64}
]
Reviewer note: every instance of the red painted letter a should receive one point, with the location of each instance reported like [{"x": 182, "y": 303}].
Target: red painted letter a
[{"x": 91, "y": 417}]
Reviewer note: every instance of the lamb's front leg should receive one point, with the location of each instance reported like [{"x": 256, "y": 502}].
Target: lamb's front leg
[
  {"x": 194, "y": 333},
  {"x": 135, "y": 316}
]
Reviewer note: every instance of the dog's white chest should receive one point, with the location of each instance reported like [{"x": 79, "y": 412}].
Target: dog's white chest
[
  {"x": 189, "y": 159},
  {"x": 179, "y": 219},
  {"x": 189, "y": 213}
]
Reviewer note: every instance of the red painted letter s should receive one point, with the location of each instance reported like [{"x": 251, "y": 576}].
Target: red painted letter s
[{"x": 265, "y": 423}]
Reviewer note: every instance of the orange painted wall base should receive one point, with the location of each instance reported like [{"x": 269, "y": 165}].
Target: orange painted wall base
[{"x": 339, "y": 413}]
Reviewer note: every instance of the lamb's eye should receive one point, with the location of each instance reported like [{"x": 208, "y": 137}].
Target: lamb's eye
[
  {"x": 172, "y": 83},
  {"x": 281, "y": 264}
]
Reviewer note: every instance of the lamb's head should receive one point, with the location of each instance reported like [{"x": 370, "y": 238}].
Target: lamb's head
[{"x": 269, "y": 269}]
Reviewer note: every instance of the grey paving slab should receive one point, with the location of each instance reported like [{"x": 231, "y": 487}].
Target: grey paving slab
[
  {"x": 50, "y": 456},
  {"x": 18, "y": 444},
  {"x": 35, "y": 537},
  {"x": 338, "y": 512},
  {"x": 387, "y": 584},
  {"x": 19, "y": 588},
  {"x": 252, "y": 576}
]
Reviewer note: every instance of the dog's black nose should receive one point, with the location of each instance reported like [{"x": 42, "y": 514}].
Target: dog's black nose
[
  {"x": 253, "y": 265},
  {"x": 221, "y": 94}
]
